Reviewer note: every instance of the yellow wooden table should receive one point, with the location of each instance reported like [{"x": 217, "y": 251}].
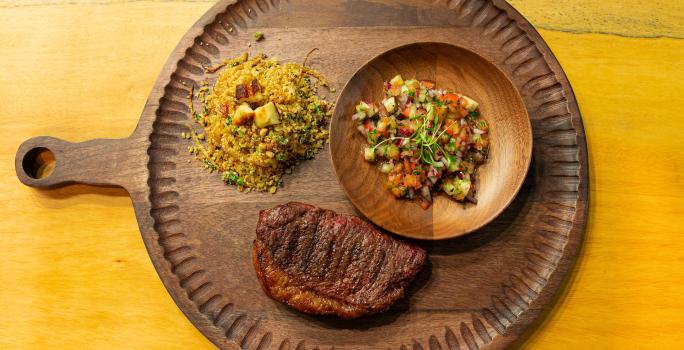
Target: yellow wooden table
[{"x": 75, "y": 273}]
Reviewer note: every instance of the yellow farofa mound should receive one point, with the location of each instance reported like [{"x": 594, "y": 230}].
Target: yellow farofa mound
[{"x": 248, "y": 156}]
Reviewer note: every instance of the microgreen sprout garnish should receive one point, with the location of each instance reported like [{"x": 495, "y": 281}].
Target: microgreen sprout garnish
[{"x": 425, "y": 139}]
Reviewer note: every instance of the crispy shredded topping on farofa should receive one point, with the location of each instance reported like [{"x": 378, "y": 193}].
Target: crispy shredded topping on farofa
[{"x": 252, "y": 157}]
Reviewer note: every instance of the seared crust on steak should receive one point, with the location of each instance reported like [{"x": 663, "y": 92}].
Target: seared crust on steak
[{"x": 320, "y": 262}]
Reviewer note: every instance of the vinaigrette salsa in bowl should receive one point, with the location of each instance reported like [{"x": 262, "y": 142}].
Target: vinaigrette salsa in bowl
[
  {"x": 427, "y": 140},
  {"x": 432, "y": 125}
]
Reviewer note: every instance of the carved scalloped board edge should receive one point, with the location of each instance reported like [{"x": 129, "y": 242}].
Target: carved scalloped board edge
[{"x": 556, "y": 123}]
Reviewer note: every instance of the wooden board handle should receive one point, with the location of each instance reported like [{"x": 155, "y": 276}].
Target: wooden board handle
[{"x": 46, "y": 162}]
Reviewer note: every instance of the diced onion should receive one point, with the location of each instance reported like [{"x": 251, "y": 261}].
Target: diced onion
[
  {"x": 403, "y": 99},
  {"x": 425, "y": 192}
]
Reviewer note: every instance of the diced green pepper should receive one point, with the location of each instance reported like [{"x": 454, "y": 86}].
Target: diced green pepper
[
  {"x": 386, "y": 168},
  {"x": 390, "y": 104},
  {"x": 369, "y": 154},
  {"x": 453, "y": 163},
  {"x": 362, "y": 107}
]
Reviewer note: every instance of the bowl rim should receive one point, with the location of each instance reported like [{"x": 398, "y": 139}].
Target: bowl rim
[{"x": 527, "y": 153}]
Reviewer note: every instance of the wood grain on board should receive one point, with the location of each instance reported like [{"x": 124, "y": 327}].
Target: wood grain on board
[{"x": 58, "y": 239}]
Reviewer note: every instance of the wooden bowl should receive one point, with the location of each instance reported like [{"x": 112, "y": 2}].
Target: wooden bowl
[{"x": 500, "y": 178}]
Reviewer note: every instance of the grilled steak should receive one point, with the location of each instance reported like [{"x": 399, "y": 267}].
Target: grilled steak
[{"x": 320, "y": 262}]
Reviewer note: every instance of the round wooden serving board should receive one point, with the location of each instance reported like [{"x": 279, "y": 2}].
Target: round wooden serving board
[{"x": 477, "y": 291}]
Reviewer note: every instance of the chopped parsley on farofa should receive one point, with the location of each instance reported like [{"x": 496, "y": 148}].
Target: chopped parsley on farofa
[{"x": 260, "y": 119}]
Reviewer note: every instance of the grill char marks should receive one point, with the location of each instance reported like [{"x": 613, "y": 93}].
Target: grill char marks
[{"x": 320, "y": 262}]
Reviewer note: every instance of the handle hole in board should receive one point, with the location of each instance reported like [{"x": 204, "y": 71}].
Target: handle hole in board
[{"x": 39, "y": 163}]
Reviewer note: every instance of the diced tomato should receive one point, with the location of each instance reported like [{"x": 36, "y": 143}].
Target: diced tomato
[
  {"x": 368, "y": 125},
  {"x": 463, "y": 112},
  {"x": 411, "y": 181},
  {"x": 406, "y": 111},
  {"x": 464, "y": 134},
  {"x": 441, "y": 113},
  {"x": 399, "y": 179},
  {"x": 405, "y": 131},
  {"x": 452, "y": 100},
  {"x": 428, "y": 84},
  {"x": 398, "y": 168},
  {"x": 394, "y": 179},
  {"x": 451, "y": 128}
]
